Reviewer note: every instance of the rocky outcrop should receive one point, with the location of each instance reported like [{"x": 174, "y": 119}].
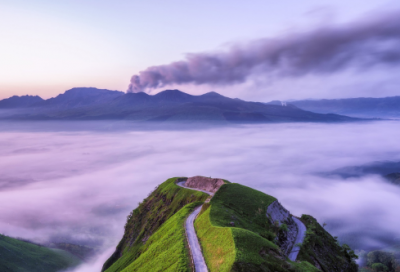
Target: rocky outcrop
[
  {"x": 204, "y": 183},
  {"x": 277, "y": 213},
  {"x": 278, "y": 216}
]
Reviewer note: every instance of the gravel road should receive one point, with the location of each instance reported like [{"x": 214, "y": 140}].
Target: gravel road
[
  {"x": 195, "y": 249},
  {"x": 299, "y": 239}
]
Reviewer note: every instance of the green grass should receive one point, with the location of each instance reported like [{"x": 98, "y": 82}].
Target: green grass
[
  {"x": 166, "y": 249},
  {"x": 19, "y": 256},
  {"x": 236, "y": 235},
  {"x": 243, "y": 206},
  {"x": 304, "y": 267},
  {"x": 217, "y": 242},
  {"x": 147, "y": 218},
  {"x": 234, "y": 232}
]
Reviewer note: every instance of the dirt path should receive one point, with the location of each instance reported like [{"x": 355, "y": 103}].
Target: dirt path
[{"x": 194, "y": 245}]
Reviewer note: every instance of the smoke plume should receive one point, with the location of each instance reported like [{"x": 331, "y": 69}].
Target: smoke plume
[{"x": 361, "y": 44}]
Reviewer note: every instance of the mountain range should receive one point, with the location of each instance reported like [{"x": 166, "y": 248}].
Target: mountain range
[
  {"x": 168, "y": 105},
  {"x": 387, "y": 107}
]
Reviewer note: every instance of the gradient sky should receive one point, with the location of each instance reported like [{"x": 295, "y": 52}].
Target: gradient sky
[{"x": 48, "y": 47}]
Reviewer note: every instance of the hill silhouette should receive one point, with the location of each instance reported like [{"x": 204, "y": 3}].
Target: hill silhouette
[{"x": 168, "y": 105}]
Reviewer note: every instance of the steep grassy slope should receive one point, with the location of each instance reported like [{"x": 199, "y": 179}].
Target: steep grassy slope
[
  {"x": 322, "y": 250},
  {"x": 166, "y": 250},
  {"x": 19, "y": 256},
  {"x": 236, "y": 234},
  {"x": 146, "y": 219}
]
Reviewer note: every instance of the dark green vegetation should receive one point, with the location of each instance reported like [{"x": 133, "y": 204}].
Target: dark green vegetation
[
  {"x": 323, "y": 250},
  {"x": 381, "y": 260},
  {"x": 169, "y": 105},
  {"x": 20, "y": 256},
  {"x": 359, "y": 107},
  {"x": 234, "y": 231},
  {"x": 145, "y": 226},
  {"x": 82, "y": 252}
]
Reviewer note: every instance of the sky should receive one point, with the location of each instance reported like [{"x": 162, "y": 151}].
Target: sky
[
  {"x": 48, "y": 47},
  {"x": 76, "y": 182}
]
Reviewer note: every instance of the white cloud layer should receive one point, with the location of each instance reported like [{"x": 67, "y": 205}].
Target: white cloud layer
[{"x": 78, "y": 181}]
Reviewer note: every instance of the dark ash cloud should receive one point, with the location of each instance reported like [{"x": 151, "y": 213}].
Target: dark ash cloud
[{"x": 361, "y": 44}]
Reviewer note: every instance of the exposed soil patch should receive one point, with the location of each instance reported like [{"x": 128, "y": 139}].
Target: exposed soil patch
[{"x": 204, "y": 183}]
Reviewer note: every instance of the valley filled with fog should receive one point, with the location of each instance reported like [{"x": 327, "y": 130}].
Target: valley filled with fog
[{"x": 76, "y": 182}]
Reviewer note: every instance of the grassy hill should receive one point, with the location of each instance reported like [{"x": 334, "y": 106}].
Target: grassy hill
[
  {"x": 20, "y": 256},
  {"x": 236, "y": 234},
  {"x": 155, "y": 230},
  {"x": 234, "y": 231}
]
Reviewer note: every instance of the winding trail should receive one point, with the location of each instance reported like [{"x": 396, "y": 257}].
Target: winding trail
[
  {"x": 194, "y": 245},
  {"x": 301, "y": 233}
]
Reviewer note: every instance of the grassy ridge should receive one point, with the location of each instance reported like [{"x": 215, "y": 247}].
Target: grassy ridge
[
  {"x": 235, "y": 233},
  {"x": 217, "y": 242},
  {"x": 245, "y": 207},
  {"x": 166, "y": 249},
  {"x": 19, "y": 256},
  {"x": 147, "y": 218}
]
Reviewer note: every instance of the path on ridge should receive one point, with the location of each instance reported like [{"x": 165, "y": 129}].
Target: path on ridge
[
  {"x": 301, "y": 233},
  {"x": 194, "y": 245}
]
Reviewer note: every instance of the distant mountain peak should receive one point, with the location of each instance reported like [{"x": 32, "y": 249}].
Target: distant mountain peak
[
  {"x": 88, "y": 91},
  {"x": 173, "y": 96},
  {"x": 212, "y": 94},
  {"x": 174, "y": 92},
  {"x": 20, "y": 101}
]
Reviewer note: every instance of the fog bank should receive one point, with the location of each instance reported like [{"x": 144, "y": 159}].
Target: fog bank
[{"x": 78, "y": 183}]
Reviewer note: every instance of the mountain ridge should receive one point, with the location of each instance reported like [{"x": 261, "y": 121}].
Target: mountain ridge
[
  {"x": 363, "y": 107},
  {"x": 168, "y": 105}
]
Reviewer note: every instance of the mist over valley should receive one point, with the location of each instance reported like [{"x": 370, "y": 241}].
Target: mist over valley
[
  {"x": 77, "y": 181},
  {"x": 205, "y": 136}
]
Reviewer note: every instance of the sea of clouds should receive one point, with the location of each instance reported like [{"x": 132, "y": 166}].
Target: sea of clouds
[{"x": 77, "y": 182}]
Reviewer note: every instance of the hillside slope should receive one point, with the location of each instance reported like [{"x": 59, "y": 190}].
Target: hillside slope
[
  {"x": 235, "y": 231},
  {"x": 146, "y": 225},
  {"x": 20, "y": 256}
]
